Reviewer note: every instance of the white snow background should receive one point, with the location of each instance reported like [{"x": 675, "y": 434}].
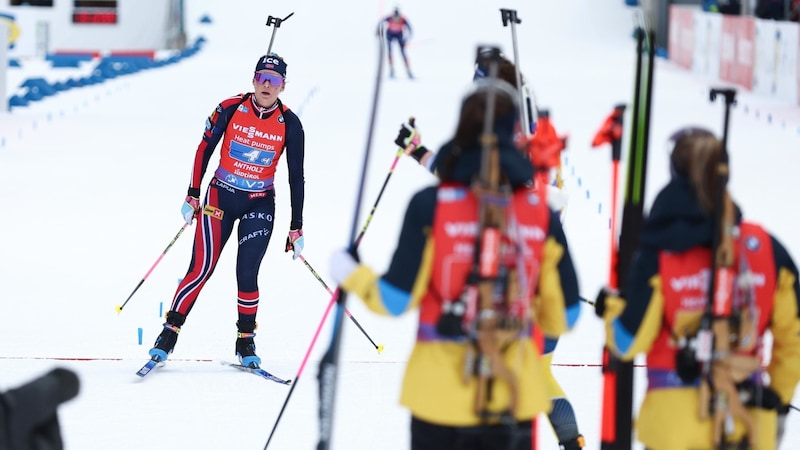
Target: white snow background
[{"x": 95, "y": 177}]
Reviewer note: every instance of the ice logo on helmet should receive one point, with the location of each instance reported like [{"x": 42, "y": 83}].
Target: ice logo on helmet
[{"x": 270, "y": 62}]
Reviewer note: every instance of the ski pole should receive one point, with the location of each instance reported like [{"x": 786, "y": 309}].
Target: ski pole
[
  {"x": 180, "y": 232},
  {"x": 302, "y": 366},
  {"x": 329, "y": 366},
  {"x": 331, "y": 302},
  {"x": 277, "y": 22},
  {"x": 334, "y": 296},
  {"x": 379, "y": 348},
  {"x": 618, "y": 378},
  {"x": 380, "y": 194},
  {"x": 794, "y": 407},
  {"x": 611, "y": 133},
  {"x": 400, "y": 152}
]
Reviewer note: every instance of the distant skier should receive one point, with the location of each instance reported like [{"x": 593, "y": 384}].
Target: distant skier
[{"x": 397, "y": 29}]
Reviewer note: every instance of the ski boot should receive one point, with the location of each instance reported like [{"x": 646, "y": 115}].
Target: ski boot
[
  {"x": 573, "y": 444},
  {"x": 245, "y": 346},
  {"x": 165, "y": 342}
]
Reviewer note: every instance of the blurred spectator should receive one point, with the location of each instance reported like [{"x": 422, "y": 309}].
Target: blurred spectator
[
  {"x": 733, "y": 7},
  {"x": 29, "y": 413},
  {"x": 771, "y": 9},
  {"x": 710, "y": 6},
  {"x": 795, "y": 10}
]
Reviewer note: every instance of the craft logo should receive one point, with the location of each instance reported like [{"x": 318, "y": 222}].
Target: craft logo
[{"x": 13, "y": 28}]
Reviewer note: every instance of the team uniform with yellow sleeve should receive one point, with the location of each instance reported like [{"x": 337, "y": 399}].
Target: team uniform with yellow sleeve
[
  {"x": 664, "y": 301},
  {"x": 430, "y": 266}
]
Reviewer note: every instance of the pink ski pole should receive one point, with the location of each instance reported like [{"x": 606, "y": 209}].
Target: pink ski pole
[{"x": 183, "y": 228}]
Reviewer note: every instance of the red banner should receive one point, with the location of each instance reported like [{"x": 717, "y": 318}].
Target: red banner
[
  {"x": 681, "y": 35},
  {"x": 738, "y": 50}
]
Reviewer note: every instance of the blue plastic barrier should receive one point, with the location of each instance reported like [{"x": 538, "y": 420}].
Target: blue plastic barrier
[
  {"x": 38, "y": 88},
  {"x": 16, "y": 100},
  {"x": 108, "y": 67},
  {"x": 75, "y": 60}
]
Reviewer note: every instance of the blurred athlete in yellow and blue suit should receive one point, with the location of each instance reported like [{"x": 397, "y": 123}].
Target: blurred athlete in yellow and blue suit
[
  {"x": 429, "y": 268},
  {"x": 666, "y": 294}
]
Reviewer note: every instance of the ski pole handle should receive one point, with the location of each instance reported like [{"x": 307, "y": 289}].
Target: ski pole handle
[
  {"x": 276, "y": 21},
  {"x": 509, "y": 16}
]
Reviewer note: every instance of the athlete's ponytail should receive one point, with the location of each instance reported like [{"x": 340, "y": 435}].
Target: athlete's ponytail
[{"x": 695, "y": 157}]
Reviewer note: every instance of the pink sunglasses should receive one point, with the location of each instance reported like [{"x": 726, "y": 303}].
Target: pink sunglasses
[{"x": 274, "y": 80}]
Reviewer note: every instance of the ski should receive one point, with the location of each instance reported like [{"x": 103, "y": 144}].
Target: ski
[
  {"x": 153, "y": 364},
  {"x": 617, "y": 418},
  {"x": 256, "y": 371},
  {"x": 149, "y": 366}
]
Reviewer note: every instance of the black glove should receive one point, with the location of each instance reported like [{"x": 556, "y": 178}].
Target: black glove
[
  {"x": 783, "y": 411},
  {"x": 408, "y": 135},
  {"x": 600, "y": 301},
  {"x": 31, "y": 410},
  {"x": 752, "y": 396}
]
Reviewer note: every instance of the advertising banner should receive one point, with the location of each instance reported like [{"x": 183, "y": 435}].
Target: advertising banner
[
  {"x": 738, "y": 50},
  {"x": 681, "y": 36},
  {"x": 707, "y": 45}
]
